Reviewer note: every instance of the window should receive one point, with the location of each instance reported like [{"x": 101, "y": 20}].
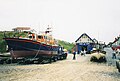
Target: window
[
  {"x": 30, "y": 36},
  {"x": 88, "y": 39},
  {"x": 33, "y": 36},
  {"x": 40, "y": 37}
]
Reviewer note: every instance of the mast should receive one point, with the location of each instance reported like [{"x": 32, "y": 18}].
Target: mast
[{"x": 49, "y": 30}]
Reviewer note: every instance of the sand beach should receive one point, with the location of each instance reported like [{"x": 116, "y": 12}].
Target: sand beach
[{"x": 80, "y": 69}]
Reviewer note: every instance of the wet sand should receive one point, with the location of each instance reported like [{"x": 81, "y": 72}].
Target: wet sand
[{"x": 80, "y": 69}]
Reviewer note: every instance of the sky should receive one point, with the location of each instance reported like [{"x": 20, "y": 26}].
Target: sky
[{"x": 69, "y": 19}]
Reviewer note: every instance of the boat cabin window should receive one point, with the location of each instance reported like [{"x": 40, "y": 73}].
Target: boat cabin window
[
  {"x": 30, "y": 37},
  {"x": 33, "y": 36},
  {"x": 40, "y": 37}
]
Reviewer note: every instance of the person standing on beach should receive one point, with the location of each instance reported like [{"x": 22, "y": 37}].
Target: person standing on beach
[
  {"x": 84, "y": 52},
  {"x": 74, "y": 54},
  {"x": 114, "y": 54}
]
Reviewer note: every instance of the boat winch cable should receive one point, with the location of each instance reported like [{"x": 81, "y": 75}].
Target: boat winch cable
[
  {"x": 12, "y": 53},
  {"x": 37, "y": 52}
]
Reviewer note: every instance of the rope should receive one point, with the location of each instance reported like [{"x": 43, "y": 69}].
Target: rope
[
  {"x": 12, "y": 54},
  {"x": 37, "y": 52},
  {"x": 29, "y": 49}
]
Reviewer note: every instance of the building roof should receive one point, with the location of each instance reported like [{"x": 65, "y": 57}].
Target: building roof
[
  {"x": 96, "y": 41},
  {"x": 21, "y": 28},
  {"x": 82, "y": 36}
]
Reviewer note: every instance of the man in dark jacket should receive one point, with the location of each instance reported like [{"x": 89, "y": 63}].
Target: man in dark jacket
[{"x": 74, "y": 53}]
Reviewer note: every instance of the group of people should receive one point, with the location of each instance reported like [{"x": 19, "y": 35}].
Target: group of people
[
  {"x": 82, "y": 53},
  {"x": 115, "y": 52}
]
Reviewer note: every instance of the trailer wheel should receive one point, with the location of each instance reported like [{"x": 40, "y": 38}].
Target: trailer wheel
[
  {"x": 1, "y": 61},
  {"x": 61, "y": 57},
  {"x": 117, "y": 64},
  {"x": 40, "y": 60},
  {"x": 118, "y": 70},
  {"x": 9, "y": 61},
  {"x": 65, "y": 56},
  {"x": 55, "y": 58},
  {"x": 50, "y": 60}
]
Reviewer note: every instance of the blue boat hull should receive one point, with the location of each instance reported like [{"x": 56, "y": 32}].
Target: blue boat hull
[{"x": 29, "y": 48}]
